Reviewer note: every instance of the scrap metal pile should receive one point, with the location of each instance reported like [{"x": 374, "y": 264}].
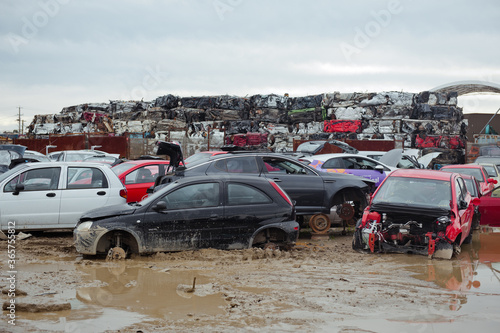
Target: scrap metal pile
[{"x": 422, "y": 120}]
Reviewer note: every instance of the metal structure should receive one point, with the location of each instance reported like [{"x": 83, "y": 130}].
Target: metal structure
[{"x": 468, "y": 87}]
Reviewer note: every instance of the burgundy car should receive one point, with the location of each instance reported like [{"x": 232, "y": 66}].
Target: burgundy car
[
  {"x": 416, "y": 211},
  {"x": 490, "y": 208}
]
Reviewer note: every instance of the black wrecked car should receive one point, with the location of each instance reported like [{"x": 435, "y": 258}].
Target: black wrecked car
[
  {"x": 315, "y": 193},
  {"x": 223, "y": 212}
]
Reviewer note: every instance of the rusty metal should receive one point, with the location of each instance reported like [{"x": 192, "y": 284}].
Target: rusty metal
[
  {"x": 116, "y": 253},
  {"x": 320, "y": 223},
  {"x": 346, "y": 211}
]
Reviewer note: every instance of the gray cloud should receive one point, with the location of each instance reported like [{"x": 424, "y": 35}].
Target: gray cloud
[{"x": 55, "y": 53}]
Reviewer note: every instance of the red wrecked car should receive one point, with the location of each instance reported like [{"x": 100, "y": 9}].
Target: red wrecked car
[
  {"x": 417, "y": 211},
  {"x": 478, "y": 171}
]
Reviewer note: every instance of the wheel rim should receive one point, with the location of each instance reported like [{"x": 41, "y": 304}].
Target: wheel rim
[{"x": 320, "y": 223}]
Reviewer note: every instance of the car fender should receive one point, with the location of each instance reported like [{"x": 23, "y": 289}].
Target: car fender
[{"x": 281, "y": 226}]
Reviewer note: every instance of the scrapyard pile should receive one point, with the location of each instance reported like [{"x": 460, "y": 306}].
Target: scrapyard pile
[{"x": 422, "y": 120}]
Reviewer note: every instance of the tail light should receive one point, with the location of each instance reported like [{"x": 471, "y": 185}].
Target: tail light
[
  {"x": 281, "y": 192},
  {"x": 123, "y": 193}
]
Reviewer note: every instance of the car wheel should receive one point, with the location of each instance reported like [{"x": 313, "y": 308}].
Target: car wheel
[
  {"x": 357, "y": 238},
  {"x": 116, "y": 253}
]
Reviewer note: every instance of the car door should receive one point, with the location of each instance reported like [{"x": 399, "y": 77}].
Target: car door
[
  {"x": 245, "y": 207},
  {"x": 466, "y": 213},
  {"x": 85, "y": 188},
  {"x": 192, "y": 212},
  {"x": 139, "y": 180},
  {"x": 303, "y": 186},
  {"x": 363, "y": 167},
  {"x": 489, "y": 208},
  {"x": 37, "y": 204}
]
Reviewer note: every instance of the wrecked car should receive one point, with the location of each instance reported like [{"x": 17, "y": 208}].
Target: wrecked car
[
  {"x": 415, "y": 211},
  {"x": 223, "y": 212},
  {"x": 315, "y": 193}
]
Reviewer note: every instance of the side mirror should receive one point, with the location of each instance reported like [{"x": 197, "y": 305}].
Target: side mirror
[
  {"x": 18, "y": 188},
  {"x": 476, "y": 201},
  {"x": 150, "y": 190},
  {"x": 379, "y": 168},
  {"x": 160, "y": 206},
  {"x": 491, "y": 180},
  {"x": 462, "y": 204}
]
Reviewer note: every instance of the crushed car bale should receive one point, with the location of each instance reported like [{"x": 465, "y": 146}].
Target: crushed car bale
[{"x": 420, "y": 120}]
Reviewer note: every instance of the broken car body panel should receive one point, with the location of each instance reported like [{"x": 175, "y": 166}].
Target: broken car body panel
[{"x": 417, "y": 211}]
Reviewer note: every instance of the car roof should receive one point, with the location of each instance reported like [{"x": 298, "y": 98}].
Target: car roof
[
  {"x": 462, "y": 166},
  {"x": 422, "y": 173},
  {"x": 141, "y": 162},
  {"x": 324, "y": 157}
]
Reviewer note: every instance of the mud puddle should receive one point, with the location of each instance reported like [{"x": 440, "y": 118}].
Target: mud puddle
[{"x": 321, "y": 286}]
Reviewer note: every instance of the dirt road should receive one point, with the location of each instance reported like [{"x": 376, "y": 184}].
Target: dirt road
[{"x": 319, "y": 286}]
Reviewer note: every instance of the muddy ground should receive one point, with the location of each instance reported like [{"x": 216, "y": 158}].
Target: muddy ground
[{"x": 319, "y": 286}]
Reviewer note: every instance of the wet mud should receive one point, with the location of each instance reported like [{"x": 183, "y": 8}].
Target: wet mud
[{"x": 319, "y": 286}]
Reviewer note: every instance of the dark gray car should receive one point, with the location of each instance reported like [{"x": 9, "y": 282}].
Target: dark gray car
[{"x": 313, "y": 191}]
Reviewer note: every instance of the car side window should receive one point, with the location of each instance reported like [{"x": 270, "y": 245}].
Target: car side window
[
  {"x": 146, "y": 174},
  {"x": 35, "y": 180},
  {"x": 240, "y": 194},
  {"x": 81, "y": 177},
  {"x": 333, "y": 163},
  {"x": 243, "y": 164},
  {"x": 193, "y": 196},
  {"x": 279, "y": 165}
]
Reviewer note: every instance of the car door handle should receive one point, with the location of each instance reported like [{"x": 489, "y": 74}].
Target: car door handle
[
  {"x": 101, "y": 193},
  {"x": 51, "y": 195},
  {"x": 213, "y": 217},
  {"x": 277, "y": 180}
]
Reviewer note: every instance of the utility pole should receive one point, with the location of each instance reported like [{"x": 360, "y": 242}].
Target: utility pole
[{"x": 19, "y": 119}]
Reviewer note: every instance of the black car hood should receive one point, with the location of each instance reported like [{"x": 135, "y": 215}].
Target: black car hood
[
  {"x": 109, "y": 211},
  {"x": 384, "y": 207}
]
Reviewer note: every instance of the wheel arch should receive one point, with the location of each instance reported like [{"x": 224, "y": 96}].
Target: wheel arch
[{"x": 131, "y": 236}]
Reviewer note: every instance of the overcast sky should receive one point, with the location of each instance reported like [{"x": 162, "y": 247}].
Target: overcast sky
[{"x": 57, "y": 53}]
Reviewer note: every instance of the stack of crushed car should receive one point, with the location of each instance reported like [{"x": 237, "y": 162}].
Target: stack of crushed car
[{"x": 422, "y": 120}]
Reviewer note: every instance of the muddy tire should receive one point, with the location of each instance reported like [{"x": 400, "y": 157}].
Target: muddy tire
[{"x": 357, "y": 238}]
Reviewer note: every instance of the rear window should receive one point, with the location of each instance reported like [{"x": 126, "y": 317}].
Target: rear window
[{"x": 467, "y": 171}]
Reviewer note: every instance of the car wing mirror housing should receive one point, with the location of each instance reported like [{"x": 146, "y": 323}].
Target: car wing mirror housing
[
  {"x": 160, "y": 206},
  {"x": 18, "y": 188},
  {"x": 379, "y": 168},
  {"x": 476, "y": 201},
  {"x": 462, "y": 204},
  {"x": 491, "y": 180}
]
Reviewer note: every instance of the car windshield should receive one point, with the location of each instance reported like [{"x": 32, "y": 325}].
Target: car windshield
[
  {"x": 490, "y": 170},
  {"x": 121, "y": 168},
  {"x": 414, "y": 191},
  {"x": 468, "y": 171},
  {"x": 309, "y": 147}
]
